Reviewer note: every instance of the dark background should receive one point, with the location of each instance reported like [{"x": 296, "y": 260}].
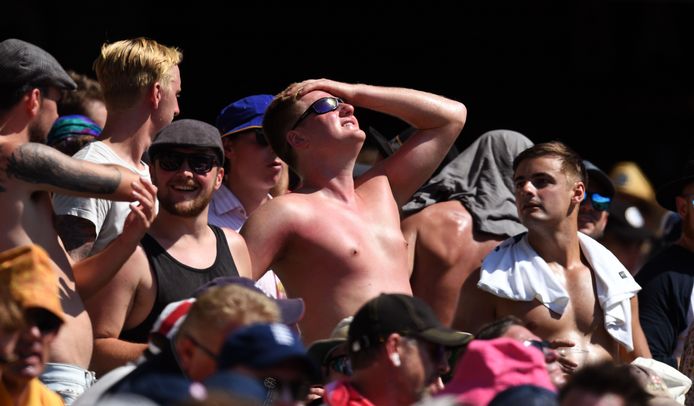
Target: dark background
[{"x": 613, "y": 79}]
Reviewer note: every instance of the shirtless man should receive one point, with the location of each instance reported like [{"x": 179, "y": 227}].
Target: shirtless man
[
  {"x": 31, "y": 81},
  {"x": 336, "y": 241},
  {"x": 565, "y": 286},
  {"x": 459, "y": 216}
]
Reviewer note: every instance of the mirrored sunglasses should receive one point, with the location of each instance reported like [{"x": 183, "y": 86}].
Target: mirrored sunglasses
[
  {"x": 597, "y": 201},
  {"x": 340, "y": 364},
  {"x": 198, "y": 163},
  {"x": 543, "y": 345},
  {"x": 320, "y": 106}
]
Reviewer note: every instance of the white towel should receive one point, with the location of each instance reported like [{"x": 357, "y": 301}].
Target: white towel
[{"x": 513, "y": 270}]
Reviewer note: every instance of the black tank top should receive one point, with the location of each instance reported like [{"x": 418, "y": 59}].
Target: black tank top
[{"x": 176, "y": 281}]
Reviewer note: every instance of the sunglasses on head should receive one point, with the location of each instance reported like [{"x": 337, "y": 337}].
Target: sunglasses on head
[
  {"x": 340, "y": 364},
  {"x": 198, "y": 163},
  {"x": 46, "y": 321},
  {"x": 598, "y": 201},
  {"x": 320, "y": 106}
]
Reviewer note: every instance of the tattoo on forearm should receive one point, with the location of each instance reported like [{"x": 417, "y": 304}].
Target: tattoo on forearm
[{"x": 37, "y": 163}]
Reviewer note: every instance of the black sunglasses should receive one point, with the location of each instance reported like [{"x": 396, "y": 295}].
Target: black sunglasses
[
  {"x": 202, "y": 348},
  {"x": 260, "y": 137},
  {"x": 320, "y": 106},
  {"x": 198, "y": 163},
  {"x": 280, "y": 390},
  {"x": 46, "y": 321},
  {"x": 598, "y": 201}
]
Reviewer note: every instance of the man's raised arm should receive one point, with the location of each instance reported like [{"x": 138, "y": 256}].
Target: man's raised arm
[
  {"x": 438, "y": 121},
  {"x": 51, "y": 170}
]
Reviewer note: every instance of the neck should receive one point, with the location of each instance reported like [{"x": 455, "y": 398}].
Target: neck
[
  {"x": 129, "y": 133},
  {"x": 337, "y": 180},
  {"x": 369, "y": 384},
  {"x": 18, "y": 391},
  {"x": 250, "y": 197},
  {"x": 560, "y": 244},
  {"x": 171, "y": 227}
]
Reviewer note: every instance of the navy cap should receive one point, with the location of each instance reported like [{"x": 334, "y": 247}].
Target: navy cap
[
  {"x": 243, "y": 114},
  {"x": 262, "y": 346},
  {"x": 666, "y": 194},
  {"x": 188, "y": 133},
  {"x": 598, "y": 176},
  {"x": 291, "y": 310},
  {"x": 22, "y": 63}
]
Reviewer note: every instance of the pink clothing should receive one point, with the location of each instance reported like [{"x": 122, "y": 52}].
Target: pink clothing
[
  {"x": 343, "y": 394},
  {"x": 491, "y": 366}
]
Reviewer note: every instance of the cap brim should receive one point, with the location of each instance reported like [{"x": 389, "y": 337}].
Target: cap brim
[
  {"x": 238, "y": 130},
  {"x": 601, "y": 178},
  {"x": 321, "y": 349},
  {"x": 446, "y": 337},
  {"x": 292, "y": 310},
  {"x": 276, "y": 357},
  {"x": 665, "y": 196}
]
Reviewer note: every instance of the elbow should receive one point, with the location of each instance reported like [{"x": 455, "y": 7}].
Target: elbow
[{"x": 458, "y": 116}]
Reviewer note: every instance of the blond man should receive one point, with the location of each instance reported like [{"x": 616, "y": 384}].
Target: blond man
[{"x": 141, "y": 82}]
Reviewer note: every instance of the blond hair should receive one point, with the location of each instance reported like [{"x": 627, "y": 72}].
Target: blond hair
[
  {"x": 235, "y": 305},
  {"x": 125, "y": 68}
]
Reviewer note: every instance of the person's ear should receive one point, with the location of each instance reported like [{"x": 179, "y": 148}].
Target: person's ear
[
  {"x": 220, "y": 178},
  {"x": 297, "y": 140},
  {"x": 155, "y": 94},
  {"x": 579, "y": 192},
  {"x": 391, "y": 347},
  {"x": 184, "y": 349},
  {"x": 681, "y": 204},
  {"x": 32, "y": 102}
]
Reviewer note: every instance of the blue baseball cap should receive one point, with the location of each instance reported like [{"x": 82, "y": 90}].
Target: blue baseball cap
[
  {"x": 243, "y": 114},
  {"x": 262, "y": 346}
]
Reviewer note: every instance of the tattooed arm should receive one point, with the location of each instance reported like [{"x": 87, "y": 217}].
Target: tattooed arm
[{"x": 50, "y": 170}]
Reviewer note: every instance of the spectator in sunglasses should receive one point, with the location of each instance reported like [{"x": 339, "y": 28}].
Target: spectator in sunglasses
[
  {"x": 28, "y": 273},
  {"x": 565, "y": 286},
  {"x": 594, "y": 209},
  {"x": 251, "y": 170},
  {"x": 668, "y": 280},
  {"x": 337, "y": 238},
  {"x": 179, "y": 253}
]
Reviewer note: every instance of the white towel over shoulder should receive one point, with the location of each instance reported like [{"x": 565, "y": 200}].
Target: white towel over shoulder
[{"x": 513, "y": 270}]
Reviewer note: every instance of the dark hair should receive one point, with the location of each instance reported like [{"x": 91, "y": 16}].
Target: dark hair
[
  {"x": 607, "y": 378},
  {"x": 498, "y": 327},
  {"x": 9, "y": 96},
  {"x": 75, "y": 102},
  {"x": 571, "y": 162}
]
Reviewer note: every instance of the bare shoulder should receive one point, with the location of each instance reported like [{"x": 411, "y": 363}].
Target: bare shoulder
[
  {"x": 283, "y": 210},
  {"x": 440, "y": 221}
]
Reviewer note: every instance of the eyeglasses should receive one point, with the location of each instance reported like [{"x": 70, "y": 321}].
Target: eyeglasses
[
  {"x": 320, "y": 106},
  {"x": 597, "y": 201},
  {"x": 46, "y": 322},
  {"x": 340, "y": 364},
  {"x": 204, "y": 349},
  {"x": 198, "y": 163}
]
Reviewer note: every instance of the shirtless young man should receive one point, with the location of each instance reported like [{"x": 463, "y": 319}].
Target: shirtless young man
[
  {"x": 336, "y": 241},
  {"x": 565, "y": 286},
  {"x": 31, "y": 80}
]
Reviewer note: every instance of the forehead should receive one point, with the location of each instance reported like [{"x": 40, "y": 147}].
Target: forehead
[
  {"x": 533, "y": 166},
  {"x": 175, "y": 74}
]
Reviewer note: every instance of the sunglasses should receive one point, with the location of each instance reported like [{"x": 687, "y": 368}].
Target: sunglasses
[
  {"x": 598, "y": 201},
  {"x": 46, "y": 322},
  {"x": 320, "y": 106},
  {"x": 199, "y": 163},
  {"x": 260, "y": 137},
  {"x": 340, "y": 364},
  {"x": 202, "y": 348}
]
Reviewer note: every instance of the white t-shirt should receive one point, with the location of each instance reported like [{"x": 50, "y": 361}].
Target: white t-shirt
[{"x": 107, "y": 216}]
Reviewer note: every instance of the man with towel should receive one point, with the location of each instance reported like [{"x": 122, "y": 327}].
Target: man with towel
[{"x": 565, "y": 286}]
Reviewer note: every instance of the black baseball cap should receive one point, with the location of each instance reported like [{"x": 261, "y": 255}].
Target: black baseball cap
[
  {"x": 403, "y": 314},
  {"x": 22, "y": 63}
]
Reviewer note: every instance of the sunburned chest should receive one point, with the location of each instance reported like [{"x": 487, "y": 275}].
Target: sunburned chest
[{"x": 363, "y": 231}]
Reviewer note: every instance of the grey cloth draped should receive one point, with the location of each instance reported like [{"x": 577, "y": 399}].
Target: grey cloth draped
[{"x": 481, "y": 178}]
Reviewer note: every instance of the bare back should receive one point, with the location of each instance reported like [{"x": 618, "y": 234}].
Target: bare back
[
  {"x": 27, "y": 217},
  {"x": 335, "y": 255}
]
